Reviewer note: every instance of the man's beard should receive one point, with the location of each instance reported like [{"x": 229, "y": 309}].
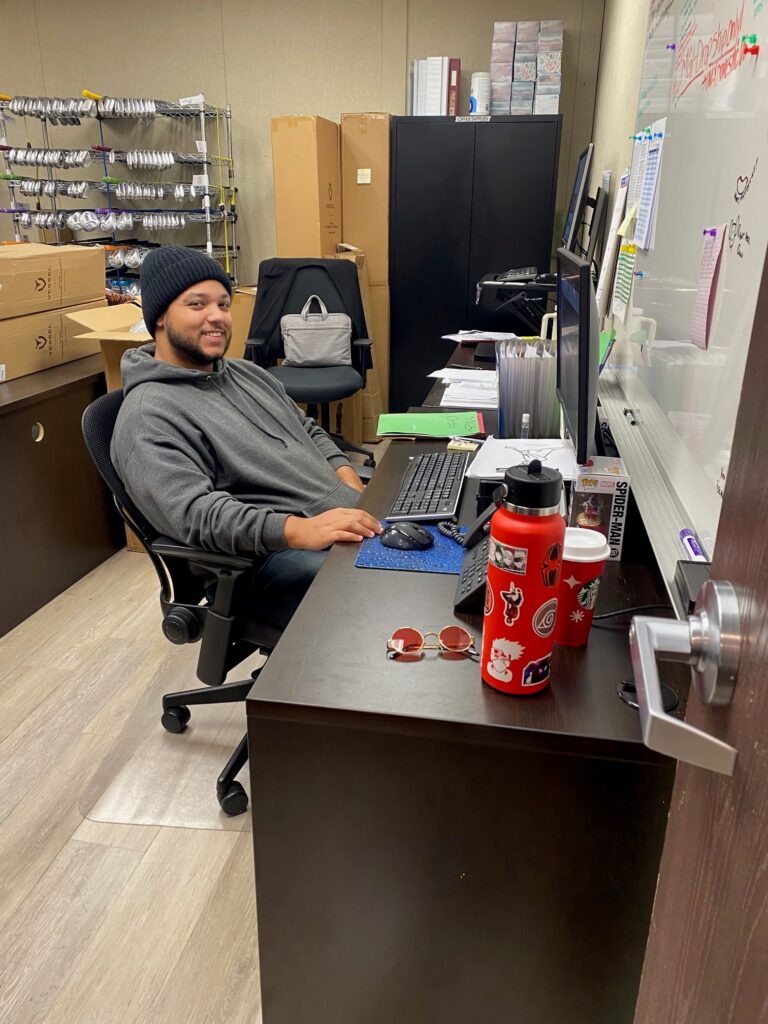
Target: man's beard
[{"x": 189, "y": 347}]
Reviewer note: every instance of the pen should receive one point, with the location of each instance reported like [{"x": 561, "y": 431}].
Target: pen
[{"x": 692, "y": 547}]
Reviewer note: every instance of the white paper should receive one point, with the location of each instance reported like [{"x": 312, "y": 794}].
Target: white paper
[
  {"x": 611, "y": 247},
  {"x": 450, "y": 374},
  {"x": 636, "y": 172},
  {"x": 496, "y": 455},
  {"x": 648, "y": 199},
  {"x": 625, "y": 277},
  {"x": 707, "y": 287}
]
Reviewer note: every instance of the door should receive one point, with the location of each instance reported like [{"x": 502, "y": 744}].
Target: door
[{"x": 707, "y": 956}]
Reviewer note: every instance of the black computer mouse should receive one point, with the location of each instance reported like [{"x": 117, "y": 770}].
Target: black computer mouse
[{"x": 407, "y": 537}]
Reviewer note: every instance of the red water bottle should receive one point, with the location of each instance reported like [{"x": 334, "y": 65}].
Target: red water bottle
[{"x": 525, "y": 550}]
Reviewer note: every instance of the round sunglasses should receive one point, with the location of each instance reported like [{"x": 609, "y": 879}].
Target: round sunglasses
[{"x": 408, "y": 644}]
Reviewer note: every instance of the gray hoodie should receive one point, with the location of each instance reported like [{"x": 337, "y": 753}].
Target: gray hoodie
[{"x": 219, "y": 460}]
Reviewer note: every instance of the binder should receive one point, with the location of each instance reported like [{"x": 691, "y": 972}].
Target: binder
[{"x": 454, "y": 73}]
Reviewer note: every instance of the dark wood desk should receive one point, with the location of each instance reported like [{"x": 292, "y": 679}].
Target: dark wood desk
[{"x": 430, "y": 851}]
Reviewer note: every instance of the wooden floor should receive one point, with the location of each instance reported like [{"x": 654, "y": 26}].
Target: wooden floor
[{"x": 100, "y": 922}]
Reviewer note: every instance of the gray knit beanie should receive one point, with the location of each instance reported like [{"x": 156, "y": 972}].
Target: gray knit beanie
[{"x": 167, "y": 272}]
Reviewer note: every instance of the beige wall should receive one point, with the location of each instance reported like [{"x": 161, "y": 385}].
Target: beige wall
[
  {"x": 618, "y": 87},
  {"x": 458, "y": 28},
  {"x": 267, "y": 59}
]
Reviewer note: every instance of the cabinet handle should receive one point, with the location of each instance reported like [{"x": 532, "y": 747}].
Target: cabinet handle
[
  {"x": 710, "y": 642},
  {"x": 38, "y": 432}
]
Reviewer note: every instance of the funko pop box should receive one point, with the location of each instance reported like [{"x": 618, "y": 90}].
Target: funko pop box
[{"x": 599, "y": 499}]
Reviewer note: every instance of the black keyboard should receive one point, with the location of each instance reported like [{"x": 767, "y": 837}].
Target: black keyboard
[
  {"x": 470, "y": 590},
  {"x": 431, "y": 487},
  {"x": 520, "y": 274}
]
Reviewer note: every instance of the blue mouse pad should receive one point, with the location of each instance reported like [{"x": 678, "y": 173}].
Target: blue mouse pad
[{"x": 445, "y": 555}]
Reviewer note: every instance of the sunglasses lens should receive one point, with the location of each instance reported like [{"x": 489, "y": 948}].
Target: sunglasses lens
[
  {"x": 406, "y": 641},
  {"x": 455, "y": 638}
]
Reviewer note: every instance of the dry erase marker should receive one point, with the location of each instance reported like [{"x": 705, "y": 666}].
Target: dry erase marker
[{"x": 693, "y": 548}]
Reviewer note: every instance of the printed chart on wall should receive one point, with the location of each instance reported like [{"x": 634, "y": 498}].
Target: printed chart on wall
[{"x": 699, "y": 189}]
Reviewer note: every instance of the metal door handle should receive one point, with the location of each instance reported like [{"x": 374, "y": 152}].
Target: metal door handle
[{"x": 710, "y": 642}]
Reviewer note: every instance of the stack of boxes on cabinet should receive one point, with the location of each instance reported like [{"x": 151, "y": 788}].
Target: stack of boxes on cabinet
[
  {"x": 39, "y": 286},
  {"x": 526, "y": 67},
  {"x": 332, "y": 201}
]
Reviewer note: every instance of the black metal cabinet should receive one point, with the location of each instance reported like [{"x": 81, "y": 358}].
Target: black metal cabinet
[{"x": 467, "y": 198}]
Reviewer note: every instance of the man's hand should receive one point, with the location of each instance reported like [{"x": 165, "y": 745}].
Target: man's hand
[
  {"x": 349, "y": 476},
  {"x": 339, "y": 524}
]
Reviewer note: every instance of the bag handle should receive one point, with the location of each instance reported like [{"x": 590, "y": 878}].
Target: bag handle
[{"x": 308, "y": 303}]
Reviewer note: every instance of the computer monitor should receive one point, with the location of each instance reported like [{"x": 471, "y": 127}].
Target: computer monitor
[
  {"x": 597, "y": 229},
  {"x": 578, "y": 351},
  {"x": 575, "y": 212}
]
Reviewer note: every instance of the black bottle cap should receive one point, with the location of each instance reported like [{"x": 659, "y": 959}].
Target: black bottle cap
[{"x": 533, "y": 486}]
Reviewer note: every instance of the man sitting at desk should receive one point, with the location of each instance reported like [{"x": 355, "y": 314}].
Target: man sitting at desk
[{"x": 215, "y": 454}]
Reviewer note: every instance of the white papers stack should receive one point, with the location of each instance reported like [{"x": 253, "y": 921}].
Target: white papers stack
[
  {"x": 472, "y": 337},
  {"x": 452, "y": 374},
  {"x": 496, "y": 455},
  {"x": 465, "y": 395}
]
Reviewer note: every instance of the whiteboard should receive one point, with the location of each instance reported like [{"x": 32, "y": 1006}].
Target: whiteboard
[{"x": 714, "y": 171}]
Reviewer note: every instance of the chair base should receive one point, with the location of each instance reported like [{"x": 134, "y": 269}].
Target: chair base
[{"x": 232, "y": 797}]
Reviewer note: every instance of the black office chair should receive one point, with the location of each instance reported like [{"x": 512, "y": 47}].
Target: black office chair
[
  {"x": 284, "y": 286},
  {"x": 187, "y": 575}
]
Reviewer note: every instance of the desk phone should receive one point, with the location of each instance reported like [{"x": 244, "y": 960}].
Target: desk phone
[{"x": 470, "y": 589}]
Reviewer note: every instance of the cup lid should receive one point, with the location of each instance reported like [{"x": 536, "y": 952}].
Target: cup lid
[{"x": 584, "y": 545}]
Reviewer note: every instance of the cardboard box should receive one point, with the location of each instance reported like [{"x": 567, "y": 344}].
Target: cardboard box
[
  {"x": 378, "y": 328},
  {"x": 365, "y": 188},
  {"x": 599, "y": 500},
  {"x": 112, "y": 330},
  {"x": 35, "y": 277},
  {"x": 307, "y": 178},
  {"x": 243, "y": 302},
  {"x": 42, "y": 340}
]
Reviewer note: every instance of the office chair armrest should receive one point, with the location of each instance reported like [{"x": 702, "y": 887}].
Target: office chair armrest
[
  {"x": 256, "y": 345},
  {"x": 363, "y": 342},
  {"x": 215, "y": 559}
]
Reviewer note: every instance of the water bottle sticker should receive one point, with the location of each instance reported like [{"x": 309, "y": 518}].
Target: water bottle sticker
[
  {"x": 544, "y": 619},
  {"x": 508, "y": 558},
  {"x": 503, "y": 653},
  {"x": 550, "y": 569},
  {"x": 513, "y": 602},
  {"x": 587, "y": 596},
  {"x": 536, "y": 672},
  {"x": 489, "y": 602}
]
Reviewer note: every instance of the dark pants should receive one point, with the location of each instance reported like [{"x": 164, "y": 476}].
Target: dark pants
[{"x": 280, "y": 583}]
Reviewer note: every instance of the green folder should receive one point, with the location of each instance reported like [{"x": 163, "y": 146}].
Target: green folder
[{"x": 431, "y": 424}]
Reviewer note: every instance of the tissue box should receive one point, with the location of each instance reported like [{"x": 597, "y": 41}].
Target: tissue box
[{"x": 599, "y": 499}]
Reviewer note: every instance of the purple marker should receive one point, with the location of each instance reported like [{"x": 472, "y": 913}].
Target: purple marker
[{"x": 692, "y": 547}]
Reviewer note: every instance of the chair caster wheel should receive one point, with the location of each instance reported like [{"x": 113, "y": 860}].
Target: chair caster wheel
[
  {"x": 175, "y": 719},
  {"x": 234, "y": 801}
]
